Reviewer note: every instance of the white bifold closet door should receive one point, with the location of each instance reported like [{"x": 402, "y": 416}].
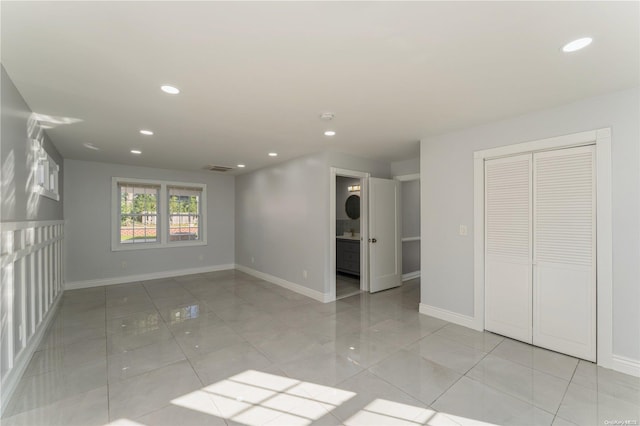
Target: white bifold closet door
[
  {"x": 540, "y": 276},
  {"x": 564, "y": 251},
  {"x": 508, "y": 248}
]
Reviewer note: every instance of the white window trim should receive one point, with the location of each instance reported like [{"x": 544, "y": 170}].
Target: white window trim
[
  {"x": 49, "y": 188},
  {"x": 163, "y": 215}
]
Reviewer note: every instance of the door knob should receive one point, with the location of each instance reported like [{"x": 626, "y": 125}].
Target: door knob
[{"x": 373, "y": 240}]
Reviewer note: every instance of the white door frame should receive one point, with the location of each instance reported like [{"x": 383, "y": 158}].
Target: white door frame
[
  {"x": 601, "y": 138},
  {"x": 364, "y": 228}
]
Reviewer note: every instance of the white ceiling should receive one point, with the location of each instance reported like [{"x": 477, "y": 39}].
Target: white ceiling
[{"x": 255, "y": 76}]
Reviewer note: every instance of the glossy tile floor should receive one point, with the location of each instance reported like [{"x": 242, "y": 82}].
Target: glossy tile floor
[
  {"x": 226, "y": 348},
  {"x": 346, "y": 285}
]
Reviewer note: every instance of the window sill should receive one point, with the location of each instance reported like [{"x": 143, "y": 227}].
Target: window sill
[
  {"x": 47, "y": 193},
  {"x": 149, "y": 246}
]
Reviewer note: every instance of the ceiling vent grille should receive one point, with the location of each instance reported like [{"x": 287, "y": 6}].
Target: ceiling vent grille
[{"x": 214, "y": 168}]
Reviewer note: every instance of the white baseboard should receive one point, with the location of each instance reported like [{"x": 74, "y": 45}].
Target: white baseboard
[
  {"x": 410, "y": 276},
  {"x": 453, "y": 317},
  {"x": 626, "y": 365},
  {"x": 305, "y": 291},
  {"x": 22, "y": 361},
  {"x": 144, "y": 277}
]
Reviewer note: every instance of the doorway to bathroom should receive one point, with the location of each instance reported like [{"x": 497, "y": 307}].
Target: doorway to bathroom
[
  {"x": 349, "y": 233},
  {"x": 379, "y": 239}
]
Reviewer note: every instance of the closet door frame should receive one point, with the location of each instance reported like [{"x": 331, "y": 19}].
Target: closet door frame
[{"x": 601, "y": 138}]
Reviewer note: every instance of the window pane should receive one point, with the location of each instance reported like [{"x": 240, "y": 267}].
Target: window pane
[
  {"x": 184, "y": 210},
  {"x": 138, "y": 214}
]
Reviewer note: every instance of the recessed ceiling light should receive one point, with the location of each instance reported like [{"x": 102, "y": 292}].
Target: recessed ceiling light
[
  {"x": 578, "y": 44},
  {"x": 136, "y": 151},
  {"x": 273, "y": 154},
  {"x": 170, "y": 89},
  {"x": 146, "y": 132},
  {"x": 91, "y": 146},
  {"x": 242, "y": 166},
  {"x": 329, "y": 133}
]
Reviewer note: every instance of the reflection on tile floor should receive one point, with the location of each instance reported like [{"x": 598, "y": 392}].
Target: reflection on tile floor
[
  {"x": 226, "y": 348},
  {"x": 346, "y": 285}
]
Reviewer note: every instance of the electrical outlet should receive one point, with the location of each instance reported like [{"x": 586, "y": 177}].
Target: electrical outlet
[
  {"x": 123, "y": 265},
  {"x": 200, "y": 258},
  {"x": 304, "y": 274},
  {"x": 253, "y": 260},
  {"x": 463, "y": 230}
]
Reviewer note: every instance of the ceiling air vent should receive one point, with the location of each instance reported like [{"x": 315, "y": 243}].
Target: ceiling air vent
[{"x": 214, "y": 168}]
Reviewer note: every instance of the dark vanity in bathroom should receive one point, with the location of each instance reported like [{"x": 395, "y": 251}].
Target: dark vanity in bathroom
[{"x": 348, "y": 255}]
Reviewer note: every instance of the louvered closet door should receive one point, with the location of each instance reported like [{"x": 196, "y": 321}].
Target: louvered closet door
[
  {"x": 564, "y": 290},
  {"x": 508, "y": 270}
]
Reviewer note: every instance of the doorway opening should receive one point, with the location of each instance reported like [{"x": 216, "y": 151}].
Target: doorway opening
[
  {"x": 348, "y": 236},
  {"x": 348, "y": 273}
]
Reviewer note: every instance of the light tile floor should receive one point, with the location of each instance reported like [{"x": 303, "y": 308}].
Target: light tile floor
[
  {"x": 227, "y": 348},
  {"x": 346, "y": 285}
]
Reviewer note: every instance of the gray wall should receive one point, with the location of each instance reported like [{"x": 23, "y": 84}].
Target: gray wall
[
  {"x": 88, "y": 215},
  {"x": 282, "y": 217},
  {"x": 410, "y": 225},
  {"x": 406, "y": 167},
  {"x": 447, "y": 184},
  {"x": 18, "y": 202}
]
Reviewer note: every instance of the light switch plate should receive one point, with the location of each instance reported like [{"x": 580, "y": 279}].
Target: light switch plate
[{"x": 463, "y": 230}]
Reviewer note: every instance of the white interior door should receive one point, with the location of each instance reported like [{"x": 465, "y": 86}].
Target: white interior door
[
  {"x": 384, "y": 234},
  {"x": 564, "y": 289},
  {"x": 508, "y": 257}
]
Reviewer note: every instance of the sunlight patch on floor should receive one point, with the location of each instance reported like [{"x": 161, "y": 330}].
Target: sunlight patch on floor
[{"x": 255, "y": 398}]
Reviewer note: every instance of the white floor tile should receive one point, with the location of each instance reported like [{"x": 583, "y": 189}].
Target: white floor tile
[
  {"x": 228, "y": 348},
  {"x": 588, "y": 406},
  {"x": 540, "y": 389},
  {"x": 549, "y": 362},
  {"x": 422, "y": 379},
  {"x": 469, "y": 401},
  {"x": 140, "y": 395}
]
